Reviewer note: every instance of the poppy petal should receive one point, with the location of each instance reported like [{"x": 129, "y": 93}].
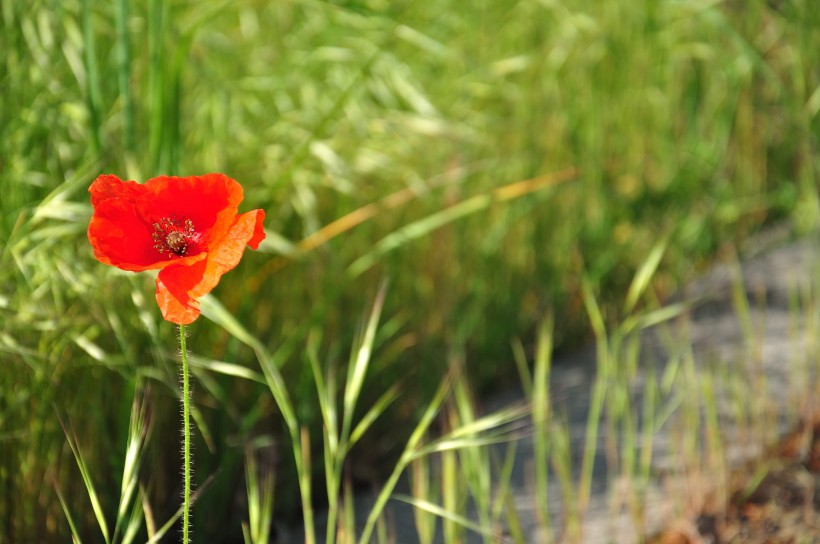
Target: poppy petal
[
  {"x": 228, "y": 251},
  {"x": 186, "y": 227},
  {"x": 109, "y": 186},
  {"x": 258, "y": 229},
  {"x": 179, "y": 286},
  {"x": 210, "y": 202},
  {"x": 174, "y": 286},
  {"x": 120, "y": 237}
]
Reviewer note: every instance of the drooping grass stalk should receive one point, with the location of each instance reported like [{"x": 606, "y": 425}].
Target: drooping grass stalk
[
  {"x": 186, "y": 438},
  {"x": 269, "y": 363}
]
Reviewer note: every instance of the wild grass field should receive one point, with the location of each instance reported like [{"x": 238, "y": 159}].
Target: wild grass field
[{"x": 442, "y": 180}]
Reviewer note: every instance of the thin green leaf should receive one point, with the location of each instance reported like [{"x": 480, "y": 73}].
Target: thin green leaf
[
  {"x": 373, "y": 413},
  {"x": 450, "y": 516},
  {"x": 96, "y": 506},
  {"x": 644, "y": 274},
  {"x": 356, "y": 373},
  {"x": 75, "y": 535}
]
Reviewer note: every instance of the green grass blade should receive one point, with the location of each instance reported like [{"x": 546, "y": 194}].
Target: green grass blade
[
  {"x": 134, "y": 523},
  {"x": 260, "y": 492},
  {"x": 425, "y": 226},
  {"x": 416, "y": 230},
  {"x": 276, "y": 383},
  {"x": 408, "y": 454},
  {"x": 520, "y": 359},
  {"x": 451, "y": 517},
  {"x": 217, "y": 313},
  {"x": 541, "y": 417},
  {"x": 644, "y": 274},
  {"x": 168, "y": 525},
  {"x": 378, "y": 408},
  {"x": 96, "y": 505},
  {"x": 356, "y": 373},
  {"x": 75, "y": 535},
  {"x": 226, "y": 369},
  {"x": 133, "y": 455}
]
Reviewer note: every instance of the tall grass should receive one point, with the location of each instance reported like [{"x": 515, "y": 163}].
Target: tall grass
[{"x": 491, "y": 162}]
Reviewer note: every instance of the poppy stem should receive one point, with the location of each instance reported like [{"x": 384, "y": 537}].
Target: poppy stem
[{"x": 186, "y": 436}]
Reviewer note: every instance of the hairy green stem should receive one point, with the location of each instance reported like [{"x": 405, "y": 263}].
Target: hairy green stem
[{"x": 186, "y": 435}]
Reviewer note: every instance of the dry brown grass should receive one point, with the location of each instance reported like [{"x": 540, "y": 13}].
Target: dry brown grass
[{"x": 772, "y": 500}]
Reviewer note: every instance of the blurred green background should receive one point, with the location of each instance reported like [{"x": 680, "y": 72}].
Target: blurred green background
[{"x": 634, "y": 120}]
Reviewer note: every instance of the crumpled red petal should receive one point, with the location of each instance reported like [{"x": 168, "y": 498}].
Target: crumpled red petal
[
  {"x": 109, "y": 186},
  {"x": 118, "y": 233},
  {"x": 174, "y": 285},
  {"x": 258, "y": 229},
  {"x": 123, "y": 226},
  {"x": 178, "y": 287},
  {"x": 228, "y": 252}
]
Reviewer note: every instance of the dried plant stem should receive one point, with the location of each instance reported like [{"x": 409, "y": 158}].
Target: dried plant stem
[{"x": 186, "y": 435}]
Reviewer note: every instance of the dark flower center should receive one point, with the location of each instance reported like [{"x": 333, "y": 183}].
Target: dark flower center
[{"x": 173, "y": 237}]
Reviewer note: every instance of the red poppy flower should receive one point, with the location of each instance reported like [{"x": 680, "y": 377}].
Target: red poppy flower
[{"x": 187, "y": 228}]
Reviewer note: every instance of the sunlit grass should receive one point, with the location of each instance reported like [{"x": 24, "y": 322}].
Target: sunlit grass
[{"x": 495, "y": 164}]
